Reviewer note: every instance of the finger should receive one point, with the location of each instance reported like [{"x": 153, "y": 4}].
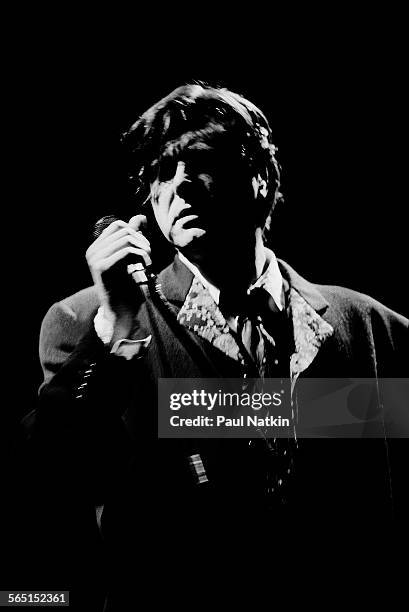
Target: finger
[
  {"x": 138, "y": 222},
  {"x": 111, "y": 248},
  {"x": 127, "y": 231},
  {"x": 113, "y": 227},
  {"x": 121, "y": 254}
]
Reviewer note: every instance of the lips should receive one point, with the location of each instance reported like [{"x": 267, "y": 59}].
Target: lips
[
  {"x": 186, "y": 222},
  {"x": 186, "y": 212}
]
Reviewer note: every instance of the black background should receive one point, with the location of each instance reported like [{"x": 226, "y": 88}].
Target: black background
[
  {"x": 337, "y": 115},
  {"x": 332, "y": 86}
]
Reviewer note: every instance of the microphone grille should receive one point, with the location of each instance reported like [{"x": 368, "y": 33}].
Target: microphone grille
[{"x": 101, "y": 224}]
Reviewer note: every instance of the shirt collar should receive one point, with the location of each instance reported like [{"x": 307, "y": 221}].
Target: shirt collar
[
  {"x": 214, "y": 291},
  {"x": 271, "y": 279}
]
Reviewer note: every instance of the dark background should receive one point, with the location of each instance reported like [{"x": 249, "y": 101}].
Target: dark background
[
  {"x": 334, "y": 95},
  {"x": 332, "y": 85}
]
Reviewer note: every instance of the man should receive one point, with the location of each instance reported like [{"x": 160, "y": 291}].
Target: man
[{"x": 204, "y": 161}]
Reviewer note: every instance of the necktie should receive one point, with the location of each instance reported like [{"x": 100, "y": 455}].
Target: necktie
[
  {"x": 250, "y": 330},
  {"x": 264, "y": 336},
  {"x": 251, "y": 336},
  {"x": 265, "y": 353}
]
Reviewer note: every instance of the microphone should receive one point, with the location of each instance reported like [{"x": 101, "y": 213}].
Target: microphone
[
  {"x": 137, "y": 269},
  {"x": 102, "y": 224}
]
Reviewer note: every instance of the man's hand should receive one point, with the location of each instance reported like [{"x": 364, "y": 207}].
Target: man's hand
[{"x": 108, "y": 256}]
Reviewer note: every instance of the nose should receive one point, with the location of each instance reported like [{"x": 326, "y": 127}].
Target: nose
[
  {"x": 181, "y": 182},
  {"x": 180, "y": 175}
]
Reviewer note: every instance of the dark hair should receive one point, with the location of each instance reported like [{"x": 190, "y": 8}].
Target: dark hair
[{"x": 199, "y": 111}]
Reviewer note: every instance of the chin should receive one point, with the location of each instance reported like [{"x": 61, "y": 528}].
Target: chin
[
  {"x": 194, "y": 251},
  {"x": 184, "y": 241}
]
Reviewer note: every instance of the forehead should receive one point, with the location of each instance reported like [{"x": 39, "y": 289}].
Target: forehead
[
  {"x": 178, "y": 149},
  {"x": 203, "y": 145},
  {"x": 218, "y": 160}
]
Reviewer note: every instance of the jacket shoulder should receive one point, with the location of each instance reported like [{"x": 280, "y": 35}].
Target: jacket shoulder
[
  {"x": 63, "y": 326},
  {"x": 355, "y": 303},
  {"x": 362, "y": 323},
  {"x": 82, "y": 304}
]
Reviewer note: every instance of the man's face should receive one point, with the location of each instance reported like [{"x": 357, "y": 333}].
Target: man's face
[{"x": 203, "y": 199}]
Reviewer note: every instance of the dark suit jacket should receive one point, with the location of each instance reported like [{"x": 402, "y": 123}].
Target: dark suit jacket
[
  {"x": 97, "y": 421},
  {"x": 369, "y": 339}
]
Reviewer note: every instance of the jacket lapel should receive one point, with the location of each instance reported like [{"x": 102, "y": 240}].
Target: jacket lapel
[
  {"x": 201, "y": 314},
  {"x": 310, "y": 329},
  {"x": 196, "y": 310}
]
